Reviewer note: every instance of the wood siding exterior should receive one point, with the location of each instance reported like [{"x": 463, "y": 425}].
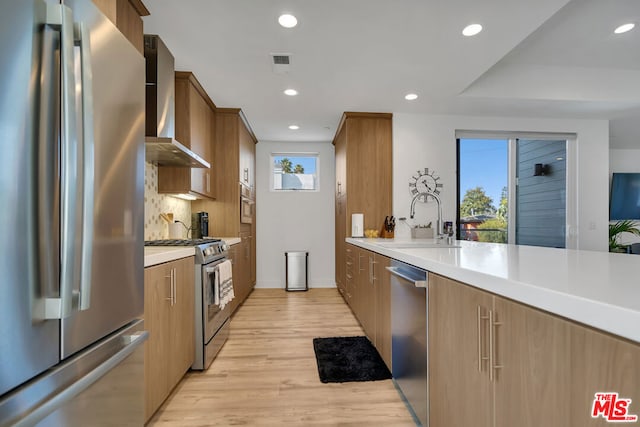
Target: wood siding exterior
[{"x": 541, "y": 200}]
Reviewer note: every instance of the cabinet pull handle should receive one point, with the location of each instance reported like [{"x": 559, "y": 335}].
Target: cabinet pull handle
[
  {"x": 175, "y": 287},
  {"x": 339, "y": 188},
  {"x": 481, "y": 358},
  {"x": 492, "y": 346},
  {"x": 372, "y": 270},
  {"x": 246, "y": 174},
  {"x": 360, "y": 256},
  {"x": 170, "y": 277},
  {"x": 208, "y": 183}
]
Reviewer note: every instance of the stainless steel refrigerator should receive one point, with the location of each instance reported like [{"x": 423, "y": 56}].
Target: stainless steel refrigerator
[{"x": 71, "y": 217}]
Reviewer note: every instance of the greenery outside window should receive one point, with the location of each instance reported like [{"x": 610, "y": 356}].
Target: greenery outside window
[{"x": 294, "y": 172}]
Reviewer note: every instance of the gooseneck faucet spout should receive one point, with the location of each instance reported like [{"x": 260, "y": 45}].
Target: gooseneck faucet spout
[{"x": 412, "y": 211}]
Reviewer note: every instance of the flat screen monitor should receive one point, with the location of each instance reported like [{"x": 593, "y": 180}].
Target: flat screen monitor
[{"x": 625, "y": 196}]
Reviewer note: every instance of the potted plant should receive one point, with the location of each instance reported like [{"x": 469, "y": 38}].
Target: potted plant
[{"x": 616, "y": 229}]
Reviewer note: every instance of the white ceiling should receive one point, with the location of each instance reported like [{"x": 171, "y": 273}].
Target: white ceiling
[{"x": 542, "y": 58}]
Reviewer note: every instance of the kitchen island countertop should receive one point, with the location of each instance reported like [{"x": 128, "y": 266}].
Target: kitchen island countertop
[{"x": 598, "y": 289}]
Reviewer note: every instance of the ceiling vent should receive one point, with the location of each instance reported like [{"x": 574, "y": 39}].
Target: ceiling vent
[{"x": 280, "y": 62}]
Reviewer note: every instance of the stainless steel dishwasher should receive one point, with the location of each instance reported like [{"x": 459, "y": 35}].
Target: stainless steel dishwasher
[{"x": 409, "y": 336}]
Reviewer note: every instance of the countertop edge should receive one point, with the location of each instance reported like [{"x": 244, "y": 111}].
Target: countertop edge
[
  {"x": 619, "y": 321},
  {"x": 160, "y": 254}
]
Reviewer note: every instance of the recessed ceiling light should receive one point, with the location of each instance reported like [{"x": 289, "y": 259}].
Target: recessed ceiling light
[
  {"x": 410, "y": 96},
  {"x": 291, "y": 92},
  {"x": 472, "y": 30},
  {"x": 288, "y": 21},
  {"x": 624, "y": 28},
  {"x": 294, "y": 127}
]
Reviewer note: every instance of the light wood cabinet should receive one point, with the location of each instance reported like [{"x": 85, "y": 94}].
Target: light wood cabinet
[
  {"x": 459, "y": 387},
  {"x": 363, "y": 150},
  {"x": 195, "y": 128},
  {"x": 382, "y": 284},
  {"x": 606, "y": 364},
  {"x": 510, "y": 364},
  {"x": 168, "y": 314},
  {"x": 234, "y": 151},
  {"x": 368, "y": 293},
  {"x": 126, "y": 15}
]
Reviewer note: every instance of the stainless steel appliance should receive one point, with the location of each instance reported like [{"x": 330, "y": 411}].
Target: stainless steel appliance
[
  {"x": 211, "y": 321},
  {"x": 72, "y": 126},
  {"x": 161, "y": 146},
  {"x": 409, "y": 364},
  {"x": 199, "y": 225},
  {"x": 247, "y": 203}
]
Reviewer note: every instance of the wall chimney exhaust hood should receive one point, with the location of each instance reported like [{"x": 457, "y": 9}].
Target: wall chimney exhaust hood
[{"x": 161, "y": 147}]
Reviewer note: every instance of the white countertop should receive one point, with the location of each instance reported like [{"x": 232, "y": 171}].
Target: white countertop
[
  {"x": 154, "y": 255},
  {"x": 599, "y": 289},
  {"x": 231, "y": 240}
]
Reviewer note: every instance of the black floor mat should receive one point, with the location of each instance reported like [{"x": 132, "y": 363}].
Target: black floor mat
[{"x": 345, "y": 359}]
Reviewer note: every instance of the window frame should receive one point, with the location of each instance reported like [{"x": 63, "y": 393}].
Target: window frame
[{"x": 293, "y": 155}]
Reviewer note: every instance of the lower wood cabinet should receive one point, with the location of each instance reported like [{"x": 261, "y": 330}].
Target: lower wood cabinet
[
  {"x": 602, "y": 363},
  {"x": 367, "y": 290},
  {"x": 169, "y": 318},
  {"x": 494, "y": 362},
  {"x": 382, "y": 281},
  {"x": 240, "y": 255}
]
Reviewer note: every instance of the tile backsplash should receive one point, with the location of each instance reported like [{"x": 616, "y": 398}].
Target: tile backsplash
[{"x": 154, "y": 204}]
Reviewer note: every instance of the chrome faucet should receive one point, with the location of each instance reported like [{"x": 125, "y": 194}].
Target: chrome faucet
[{"x": 412, "y": 211}]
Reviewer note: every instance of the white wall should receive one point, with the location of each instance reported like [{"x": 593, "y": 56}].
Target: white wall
[
  {"x": 626, "y": 160},
  {"x": 291, "y": 221},
  {"x": 421, "y": 141}
]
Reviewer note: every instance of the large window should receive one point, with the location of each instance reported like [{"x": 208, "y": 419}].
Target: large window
[
  {"x": 515, "y": 188},
  {"x": 294, "y": 172}
]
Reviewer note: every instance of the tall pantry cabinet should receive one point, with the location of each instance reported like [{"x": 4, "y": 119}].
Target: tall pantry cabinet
[
  {"x": 234, "y": 168},
  {"x": 363, "y": 153}
]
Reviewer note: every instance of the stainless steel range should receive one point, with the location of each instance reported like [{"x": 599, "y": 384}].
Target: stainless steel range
[{"x": 211, "y": 321}]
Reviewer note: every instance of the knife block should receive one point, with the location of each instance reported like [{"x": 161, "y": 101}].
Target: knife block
[{"x": 386, "y": 234}]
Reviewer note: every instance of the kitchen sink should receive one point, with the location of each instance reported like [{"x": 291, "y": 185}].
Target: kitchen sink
[{"x": 408, "y": 245}]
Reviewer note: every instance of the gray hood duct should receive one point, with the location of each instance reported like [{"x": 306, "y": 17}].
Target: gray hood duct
[{"x": 161, "y": 145}]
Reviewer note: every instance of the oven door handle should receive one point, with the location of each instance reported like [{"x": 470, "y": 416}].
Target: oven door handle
[{"x": 211, "y": 291}]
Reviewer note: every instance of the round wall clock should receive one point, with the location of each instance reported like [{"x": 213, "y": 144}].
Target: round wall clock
[{"x": 424, "y": 183}]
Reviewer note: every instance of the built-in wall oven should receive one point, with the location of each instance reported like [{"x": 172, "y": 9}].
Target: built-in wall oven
[
  {"x": 247, "y": 203},
  {"x": 211, "y": 316}
]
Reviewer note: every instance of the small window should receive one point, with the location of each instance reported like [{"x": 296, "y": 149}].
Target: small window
[{"x": 294, "y": 171}]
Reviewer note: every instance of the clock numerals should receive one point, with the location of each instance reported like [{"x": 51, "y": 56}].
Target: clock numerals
[{"x": 424, "y": 184}]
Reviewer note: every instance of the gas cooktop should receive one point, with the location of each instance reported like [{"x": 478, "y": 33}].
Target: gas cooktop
[{"x": 180, "y": 242}]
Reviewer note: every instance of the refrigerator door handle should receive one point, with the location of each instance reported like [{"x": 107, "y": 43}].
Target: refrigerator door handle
[
  {"x": 59, "y": 400},
  {"x": 87, "y": 175},
  {"x": 60, "y": 16}
]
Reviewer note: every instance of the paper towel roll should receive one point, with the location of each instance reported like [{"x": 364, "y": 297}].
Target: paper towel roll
[
  {"x": 175, "y": 231},
  {"x": 357, "y": 225}
]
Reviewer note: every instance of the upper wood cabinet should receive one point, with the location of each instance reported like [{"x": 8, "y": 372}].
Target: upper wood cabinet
[
  {"x": 363, "y": 150},
  {"x": 126, "y": 15},
  {"x": 195, "y": 128},
  {"x": 234, "y": 155}
]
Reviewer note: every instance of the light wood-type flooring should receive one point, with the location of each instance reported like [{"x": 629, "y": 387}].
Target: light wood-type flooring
[{"x": 266, "y": 373}]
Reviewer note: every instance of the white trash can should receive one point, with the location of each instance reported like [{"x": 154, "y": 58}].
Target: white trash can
[{"x": 296, "y": 270}]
